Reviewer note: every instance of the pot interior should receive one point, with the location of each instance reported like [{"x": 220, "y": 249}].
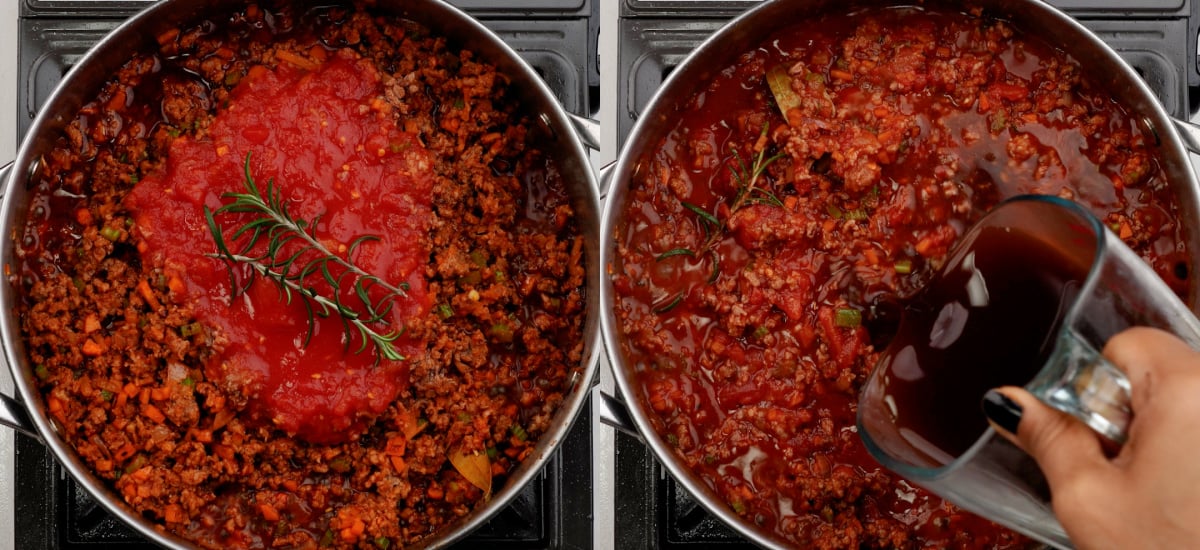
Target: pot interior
[{"x": 746, "y": 33}]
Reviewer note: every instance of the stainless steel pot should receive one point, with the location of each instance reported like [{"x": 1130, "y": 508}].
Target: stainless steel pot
[
  {"x": 746, "y": 32},
  {"x": 567, "y": 137}
]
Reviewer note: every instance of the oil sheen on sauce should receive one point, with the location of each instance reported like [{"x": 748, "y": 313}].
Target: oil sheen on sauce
[{"x": 327, "y": 142}]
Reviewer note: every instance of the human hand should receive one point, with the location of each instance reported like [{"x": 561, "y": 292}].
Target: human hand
[{"x": 1148, "y": 494}]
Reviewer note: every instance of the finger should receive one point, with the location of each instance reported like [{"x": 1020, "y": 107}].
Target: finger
[
  {"x": 1065, "y": 449},
  {"x": 1147, "y": 356}
]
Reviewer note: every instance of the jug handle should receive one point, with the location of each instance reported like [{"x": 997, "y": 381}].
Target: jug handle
[{"x": 12, "y": 413}]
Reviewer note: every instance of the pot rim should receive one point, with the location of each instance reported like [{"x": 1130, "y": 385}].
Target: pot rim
[
  {"x": 464, "y": 31},
  {"x": 721, "y": 48}
]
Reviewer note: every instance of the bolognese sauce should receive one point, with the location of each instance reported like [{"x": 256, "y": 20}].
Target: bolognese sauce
[
  {"x": 238, "y": 411},
  {"x": 770, "y": 240}
]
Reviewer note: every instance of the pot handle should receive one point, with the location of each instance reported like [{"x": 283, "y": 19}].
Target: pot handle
[
  {"x": 587, "y": 129},
  {"x": 1190, "y": 133},
  {"x": 12, "y": 413},
  {"x": 615, "y": 414}
]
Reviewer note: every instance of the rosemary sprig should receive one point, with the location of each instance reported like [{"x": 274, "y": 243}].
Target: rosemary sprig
[
  {"x": 293, "y": 270},
  {"x": 747, "y": 179}
]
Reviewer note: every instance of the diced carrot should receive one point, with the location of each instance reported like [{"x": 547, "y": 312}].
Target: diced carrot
[
  {"x": 268, "y": 512},
  {"x": 152, "y": 412},
  {"x": 256, "y": 71},
  {"x": 54, "y": 403},
  {"x": 924, "y": 246},
  {"x": 839, "y": 74},
  {"x": 1011, "y": 92},
  {"x": 175, "y": 284},
  {"x": 159, "y": 394},
  {"x": 984, "y": 104},
  {"x": 172, "y": 513},
  {"x": 84, "y": 216},
  {"x": 435, "y": 492},
  {"x": 881, "y": 112},
  {"x": 104, "y": 465},
  {"x": 203, "y": 436},
  {"x": 1126, "y": 230},
  {"x": 291, "y": 485},
  {"x": 91, "y": 323},
  {"x": 124, "y": 452},
  {"x": 122, "y": 399},
  {"x": 130, "y": 389},
  {"x": 168, "y": 36},
  {"x": 294, "y": 59},
  {"x": 91, "y": 348},
  {"x": 224, "y": 451},
  {"x": 354, "y": 530},
  {"x": 395, "y": 446},
  {"x": 318, "y": 52},
  {"x": 117, "y": 101},
  {"x": 147, "y": 294},
  {"x": 399, "y": 464}
]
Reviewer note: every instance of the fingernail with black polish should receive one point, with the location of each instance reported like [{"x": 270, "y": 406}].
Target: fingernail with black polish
[{"x": 1002, "y": 410}]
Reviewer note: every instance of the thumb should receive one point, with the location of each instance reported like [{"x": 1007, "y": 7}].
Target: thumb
[{"x": 1066, "y": 449}]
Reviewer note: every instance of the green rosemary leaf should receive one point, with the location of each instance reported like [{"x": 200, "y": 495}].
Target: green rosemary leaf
[
  {"x": 700, "y": 212},
  {"x": 675, "y": 252},
  {"x": 716, "y": 270},
  {"x": 670, "y": 305}
]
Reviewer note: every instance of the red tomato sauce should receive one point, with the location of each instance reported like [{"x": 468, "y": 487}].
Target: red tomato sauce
[
  {"x": 752, "y": 316},
  {"x": 292, "y": 126}
]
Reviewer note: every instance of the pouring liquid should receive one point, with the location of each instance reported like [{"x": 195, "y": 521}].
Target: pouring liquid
[{"x": 989, "y": 318}]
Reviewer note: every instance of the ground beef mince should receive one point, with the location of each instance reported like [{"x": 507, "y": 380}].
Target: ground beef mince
[
  {"x": 805, "y": 193},
  {"x": 239, "y": 411}
]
